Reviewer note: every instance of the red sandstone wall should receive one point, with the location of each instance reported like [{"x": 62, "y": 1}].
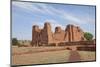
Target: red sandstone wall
[{"x": 45, "y": 36}]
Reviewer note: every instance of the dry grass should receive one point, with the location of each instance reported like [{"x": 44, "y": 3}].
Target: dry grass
[
  {"x": 87, "y": 55},
  {"x": 35, "y": 57},
  {"x": 27, "y": 49},
  {"x": 41, "y": 58}
]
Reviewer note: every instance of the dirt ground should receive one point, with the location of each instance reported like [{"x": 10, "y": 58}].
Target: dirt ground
[{"x": 44, "y": 55}]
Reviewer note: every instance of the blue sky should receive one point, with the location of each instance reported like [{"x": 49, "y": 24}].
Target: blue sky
[{"x": 27, "y": 14}]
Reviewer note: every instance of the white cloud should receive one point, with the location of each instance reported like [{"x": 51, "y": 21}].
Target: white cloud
[
  {"x": 54, "y": 24},
  {"x": 47, "y": 9},
  {"x": 27, "y": 6}
]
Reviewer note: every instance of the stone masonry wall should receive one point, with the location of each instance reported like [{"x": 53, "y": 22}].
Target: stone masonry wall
[{"x": 46, "y": 36}]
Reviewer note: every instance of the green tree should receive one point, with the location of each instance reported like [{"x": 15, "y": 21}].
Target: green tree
[
  {"x": 88, "y": 36},
  {"x": 15, "y": 42}
]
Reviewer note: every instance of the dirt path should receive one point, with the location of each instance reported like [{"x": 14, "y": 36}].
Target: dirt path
[{"x": 74, "y": 56}]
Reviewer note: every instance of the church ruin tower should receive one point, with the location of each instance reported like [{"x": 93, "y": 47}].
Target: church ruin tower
[
  {"x": 73, "y": 33},
  {"x": 46, "y": 34},
  {"x": 42, "y": 36},
  {"x": 59, "y": 35},
  {"x": 35, "y": 35}
]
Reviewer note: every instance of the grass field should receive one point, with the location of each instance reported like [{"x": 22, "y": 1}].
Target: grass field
[{"x": 42, "y": 55}]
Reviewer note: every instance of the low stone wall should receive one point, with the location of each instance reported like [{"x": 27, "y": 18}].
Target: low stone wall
[
  {"x": 86, "y": 48},
  {"x": 81, "y": 45},
  {"x": 76, "y": 43}
]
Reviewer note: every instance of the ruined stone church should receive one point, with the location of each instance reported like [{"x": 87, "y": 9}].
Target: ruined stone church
[{"x": 46, "y": 36}]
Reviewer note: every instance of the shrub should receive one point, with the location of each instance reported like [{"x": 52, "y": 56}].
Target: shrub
[
  {"x": 15, "y": 42},
  {"x": 88, "y": 36}
]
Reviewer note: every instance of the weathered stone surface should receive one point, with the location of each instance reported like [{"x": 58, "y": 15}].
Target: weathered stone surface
[
  {"x": 73, "y": 33},
  {"x": 58, "y": 36},
  {"x": 46, "y": 36}
]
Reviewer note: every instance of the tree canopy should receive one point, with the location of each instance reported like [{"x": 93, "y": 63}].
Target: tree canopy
[
  {"x": 15, "y": 41},
  {"x": 88, "y": 36}
]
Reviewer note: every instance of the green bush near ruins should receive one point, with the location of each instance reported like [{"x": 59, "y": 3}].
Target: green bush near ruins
[
  {"x": 15, "y": 42},
  {"x": 88, "y": 36}
]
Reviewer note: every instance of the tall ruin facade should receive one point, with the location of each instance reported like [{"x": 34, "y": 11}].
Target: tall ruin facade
[{"x": 46, "y": 36}]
